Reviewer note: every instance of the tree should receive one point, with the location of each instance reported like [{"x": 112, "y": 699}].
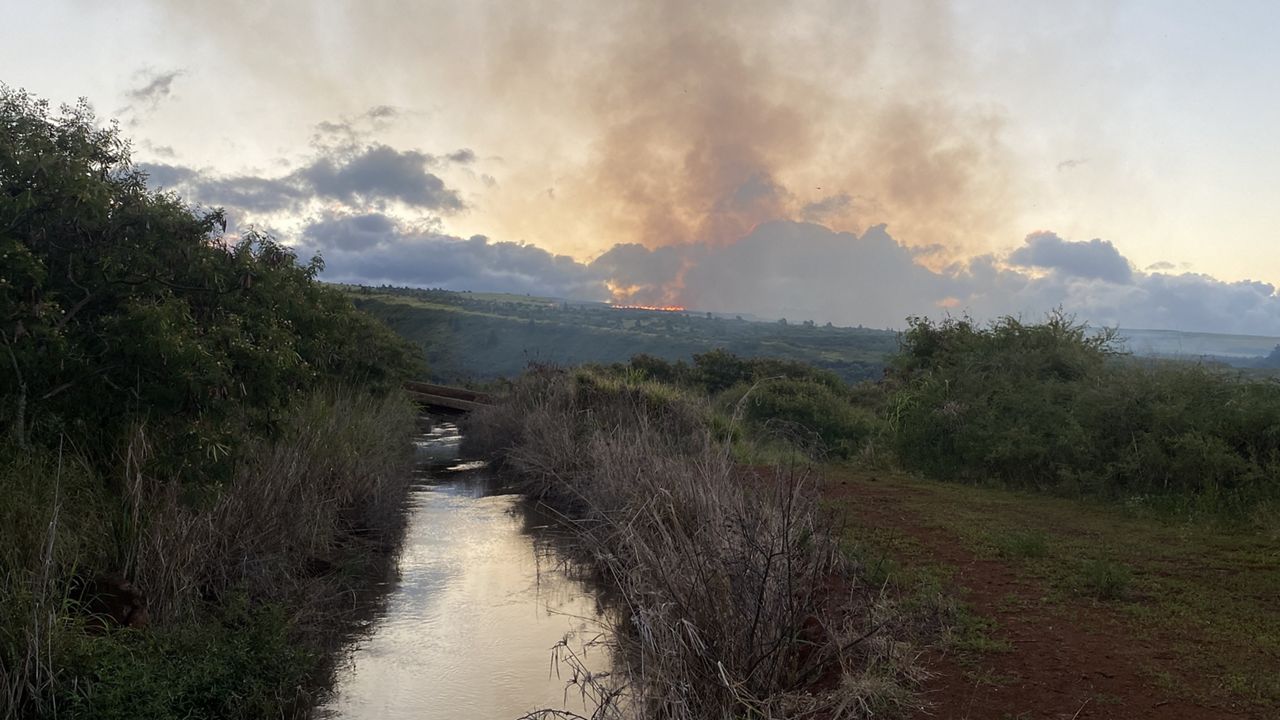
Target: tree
[{"x": 120, "y": 305}]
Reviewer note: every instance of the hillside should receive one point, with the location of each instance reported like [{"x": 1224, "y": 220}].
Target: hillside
[
  {"x": 1242, "y": 350},
  {"x": 480, "y": 336}
]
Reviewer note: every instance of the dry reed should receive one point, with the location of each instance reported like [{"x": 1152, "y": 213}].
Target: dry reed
[{"x": 733, "y": 598}]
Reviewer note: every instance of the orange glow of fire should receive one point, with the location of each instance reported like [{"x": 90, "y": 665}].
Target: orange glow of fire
[{"x": 659, "y": 308}]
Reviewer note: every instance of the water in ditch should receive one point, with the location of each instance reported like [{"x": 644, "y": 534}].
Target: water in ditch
[{"x": 481, "y": 599}]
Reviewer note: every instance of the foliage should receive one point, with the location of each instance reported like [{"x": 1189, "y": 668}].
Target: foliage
[
  {"x": 1105, "y": 579},
  {"x": 1052, "y": 406},
  {"x": 731, "y": 595},
  {"x": 187, "y": 412},
  {"x": 810, "y": 413},
  {"x": 242, "y": 662},
  {"x": 216, "y": 568},
  {"x": 118, "y": 305}
]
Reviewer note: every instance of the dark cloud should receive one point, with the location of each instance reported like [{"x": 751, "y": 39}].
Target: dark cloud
[
  {"x": 247, "y": 193},
  {"x": 381, "y": 173},
  {"x": 161, "y": 176},
  {"x": 374, "y": 248},
  {"x": 250, "y": 193},
  {"x": 804, "y": 271},
  {"x": 820, "y": 209},
  {"x": 1161, "y": 265},
  {"x": 641, "y": 275},
  {"x": 1096, "y": 258},
  {"x": 1071, "y": 163},
  {"x": 370, "y": 177},
  {"x": 352, "y": 232},
  {"x": 465, "y": 156},
  {"x": 797, "y": 270},
  {"x": 154, "y": 88},
  {"x": 164, "y": 151}
]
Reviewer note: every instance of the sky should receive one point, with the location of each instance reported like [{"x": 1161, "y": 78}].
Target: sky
[{"x": 853, "y": 161}]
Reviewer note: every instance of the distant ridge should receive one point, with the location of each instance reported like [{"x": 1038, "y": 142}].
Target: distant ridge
[{"x": 1175, "y": 343}]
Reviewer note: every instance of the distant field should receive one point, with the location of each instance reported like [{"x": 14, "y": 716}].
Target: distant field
[
  {"x": 482, "y": 336},
  {"x": 1171, "y": 343}
]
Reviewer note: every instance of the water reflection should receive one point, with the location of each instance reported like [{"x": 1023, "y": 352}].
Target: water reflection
[{"x": 468, "y": 629}]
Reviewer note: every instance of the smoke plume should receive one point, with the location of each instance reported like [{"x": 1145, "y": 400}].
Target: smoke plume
[{"x": 664, "y": 122}]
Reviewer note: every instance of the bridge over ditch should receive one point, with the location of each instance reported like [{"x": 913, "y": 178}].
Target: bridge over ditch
[{"x": 445, "y": 398}]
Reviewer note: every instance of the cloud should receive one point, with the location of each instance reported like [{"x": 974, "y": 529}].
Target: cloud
[
  {"x": 1096, "y": 258},
  {"x": 349, "y": 133},
  {"x": 662, "y": 122},
  {"x": 638, "y": 274},
  {"x": 375, "y": 249},
  {"x": 780, "y": 268},
  {"x": 464, "y": 156},
  {"x": 351, "y": 232},
  {"x": 381, "y": 112},
  {"x": 154, "y": 87},
  {"x": 380, "y": 173},
  {"x": 367, "y": 178},
  {"x": 244, "y": 193},
  {"x": 162, "y": 176},
  {"x": 151, "y": 89},
  {"x": 803, "y": 271},
  {"x": 820, "y": 209}
]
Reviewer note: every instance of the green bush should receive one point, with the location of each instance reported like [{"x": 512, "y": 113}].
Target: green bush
[
  {"x": 170, "y": 414},
  {"x": 119, "y": 305},
  {"x": 811, "y": 413},
  {"x": 1053, "y": 406},
  {"x": 235, "y": 664}
]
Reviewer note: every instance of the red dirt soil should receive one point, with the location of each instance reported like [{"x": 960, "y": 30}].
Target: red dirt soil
[{"x": 1067, "y": 661}]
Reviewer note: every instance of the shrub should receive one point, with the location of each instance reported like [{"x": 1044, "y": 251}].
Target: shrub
[
  {"x": 169, "y": 416},
  {"x": 120, "y": 305},
  {"x": 812, "y": 413},
  {"x": 1054, "y": 407}
]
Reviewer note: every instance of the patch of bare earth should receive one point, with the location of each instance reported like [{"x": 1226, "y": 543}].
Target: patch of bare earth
[{"x": 1056, "y": 659}]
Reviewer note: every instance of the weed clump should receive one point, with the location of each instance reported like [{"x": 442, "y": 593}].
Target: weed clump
[{"x": 1104, "y": 579}]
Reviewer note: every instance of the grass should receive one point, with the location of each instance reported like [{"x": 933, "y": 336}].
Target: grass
[
  {"x": 1021, "y": 544},
  {"x": 1105, "y": 579},
  {"x": 733, "y": 596},
  {"x": 1207, "y": 591},
  {"x": 240, "y": 625}
]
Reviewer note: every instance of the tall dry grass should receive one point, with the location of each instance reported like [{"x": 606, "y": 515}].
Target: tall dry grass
[
  {"x": 733, "y": 598},
  {"x": 327, "y": 489},
  {"x": 336, "y": 474}
]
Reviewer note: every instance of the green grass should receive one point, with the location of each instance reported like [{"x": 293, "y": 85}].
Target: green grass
[
  {"x": 1021, "y": 543},
  {"x": 1105, "y": 579}
]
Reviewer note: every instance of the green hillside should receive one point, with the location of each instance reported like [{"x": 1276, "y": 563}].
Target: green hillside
[{"x": 480, "y": 336}]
